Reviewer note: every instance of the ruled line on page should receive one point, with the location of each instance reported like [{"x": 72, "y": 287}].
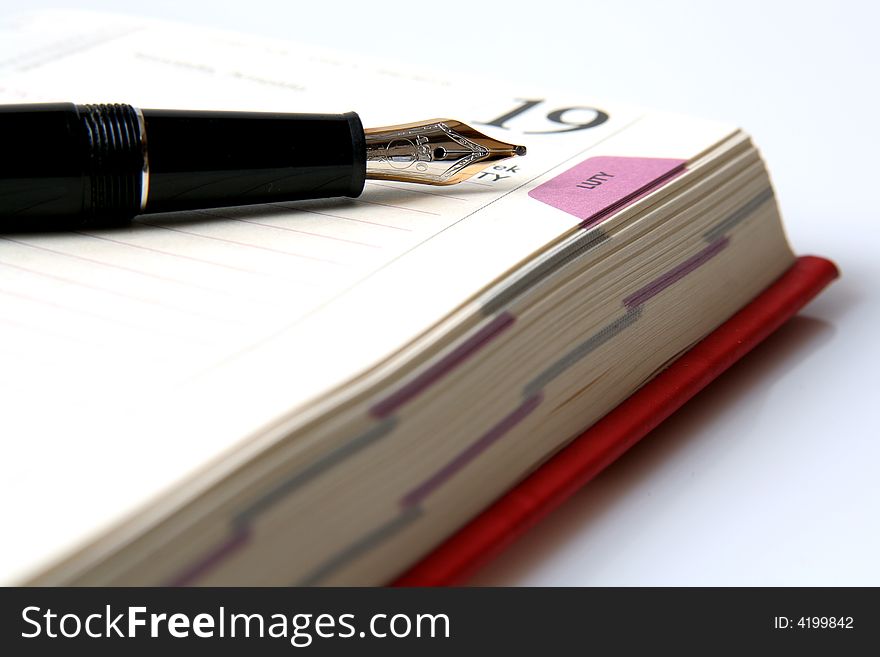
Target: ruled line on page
[
  {"x": 417, "y": 191},
  {"x": 339, "y": 216},
  {"x": 136, "y": 329},
  {"x": 294, "y": 230},
  {"x": 397, "y": 207},
  {"x": 71, "y": 309},
  {"x": 117, "y": 293},
  {"x": 171, "y": 254},
  {"x": 243, "y": 244},
  {"x": 111, "y": 265},
  {"x": 222, "y": 294}
]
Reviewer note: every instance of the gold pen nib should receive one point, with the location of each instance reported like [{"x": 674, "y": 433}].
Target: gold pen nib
[{"x": 436, "y": 152}]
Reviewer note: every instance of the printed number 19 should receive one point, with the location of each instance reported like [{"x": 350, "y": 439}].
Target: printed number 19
[{"x": 557, "y": 116}]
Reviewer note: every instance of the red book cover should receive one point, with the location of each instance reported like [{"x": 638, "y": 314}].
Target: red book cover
[{"x": 500, "y": 524}]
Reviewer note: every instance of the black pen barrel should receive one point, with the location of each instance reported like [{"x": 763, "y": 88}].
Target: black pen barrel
[
  {"x": 80, "y": 165},
  {"x": 211, "y": 159}
]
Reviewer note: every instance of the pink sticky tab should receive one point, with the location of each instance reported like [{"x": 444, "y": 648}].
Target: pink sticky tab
[{"x": 600, "y": 186}]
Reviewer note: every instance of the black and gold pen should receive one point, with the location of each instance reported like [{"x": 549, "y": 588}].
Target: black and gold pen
[{"x": 66, "y": 165}]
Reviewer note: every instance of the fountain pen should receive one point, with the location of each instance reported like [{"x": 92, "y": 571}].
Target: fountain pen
[{"x": 72, "y": 166}]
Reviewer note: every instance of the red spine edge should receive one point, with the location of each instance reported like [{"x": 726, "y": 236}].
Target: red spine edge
[{"x": 525, "y": 504}]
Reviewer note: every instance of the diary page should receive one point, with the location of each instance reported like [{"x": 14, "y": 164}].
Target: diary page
[{"x": 133, "y": 356}]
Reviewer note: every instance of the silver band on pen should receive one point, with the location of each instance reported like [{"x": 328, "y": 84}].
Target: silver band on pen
[{"x": 145, "y": 172}]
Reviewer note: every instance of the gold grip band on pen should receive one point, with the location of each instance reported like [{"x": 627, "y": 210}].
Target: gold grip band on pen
[{"x": 435, "y": 152}]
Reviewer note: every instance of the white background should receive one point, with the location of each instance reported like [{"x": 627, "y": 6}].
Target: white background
[{"x": 772, "y": 475}]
